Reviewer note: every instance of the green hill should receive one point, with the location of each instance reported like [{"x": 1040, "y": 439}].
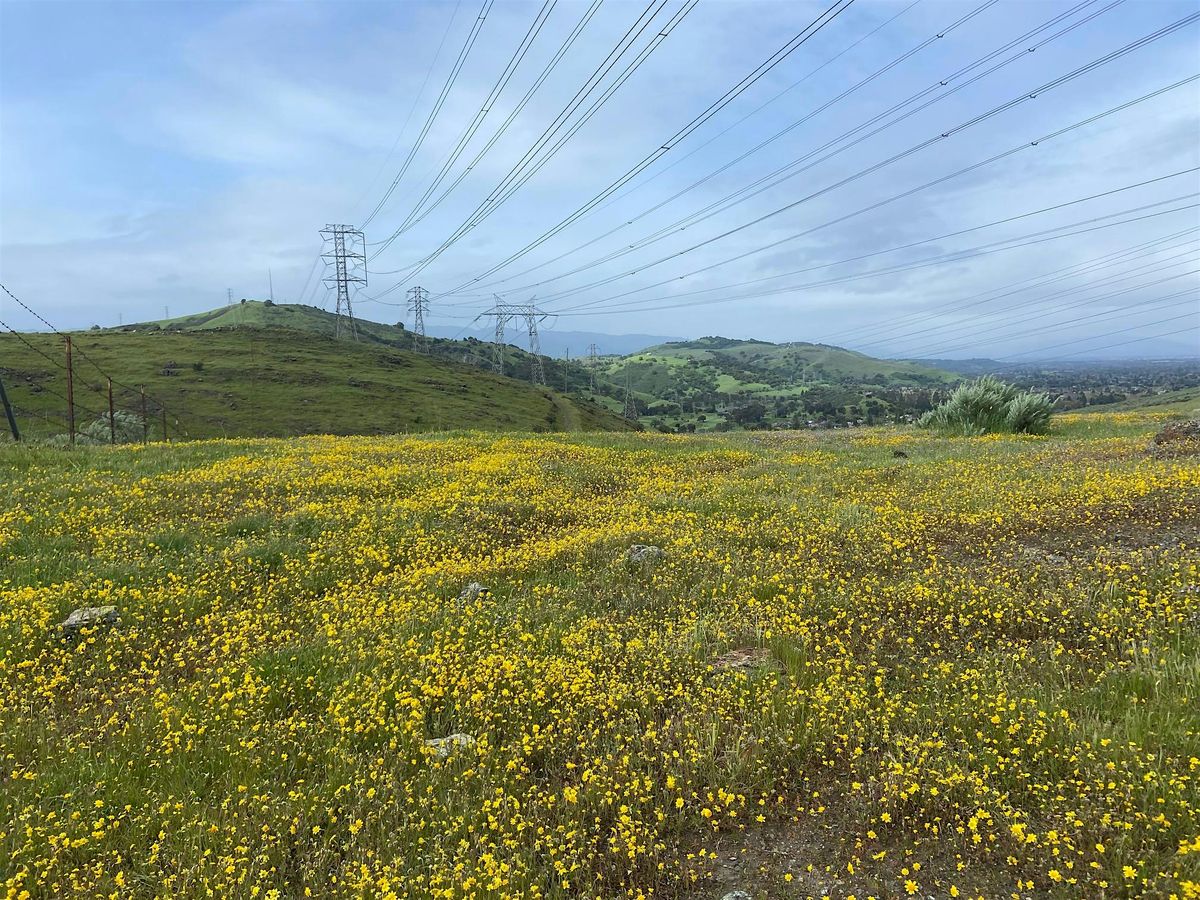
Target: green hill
[
  {"x": 274, "y": 381},
  {"x": 256, "y": 314},
  {"x": 723, "y": 380},
  {"x": 260, "y": 314},
  {"x": 1182, "y": 402},
  {"x": 256, "y": 368}
]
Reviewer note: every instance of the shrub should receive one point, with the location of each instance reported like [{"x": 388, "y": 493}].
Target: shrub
[
  {"x": 989, "y": 406},
  {"x": 128, "y": 428}
]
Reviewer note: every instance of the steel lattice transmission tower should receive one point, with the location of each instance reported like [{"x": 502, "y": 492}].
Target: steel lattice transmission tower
[
  {"x": 630, "y": 411},
  {"x": 593, "y": 360},
  {"x": 418, "y": 305},
  {"x": 507, "y": 312},
  {"x": 348, "y": 255}
]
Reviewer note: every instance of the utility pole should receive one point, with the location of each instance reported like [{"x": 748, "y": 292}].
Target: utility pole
[
  {"x": 112, "y": 416},
  {"x": 229, "y": 296},
  {"x": 70, "y": 393},
  {"x": 162, "y": 410},
  {"x": 418, "y": 305},
  {"x": 145, "y": 422},
  {"x": 8, "y": 412},
  {"x": 271, "y": 285},
  {"x": 349, "y": 256},
  {"x": 630, "y": 411}
]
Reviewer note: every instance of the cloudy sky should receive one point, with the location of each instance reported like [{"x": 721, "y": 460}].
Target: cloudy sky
[{"x": 155, "y": 155}]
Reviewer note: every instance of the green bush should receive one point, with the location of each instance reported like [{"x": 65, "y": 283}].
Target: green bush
[
  {"x": 989, "y": 406},
  {"x": 128, "y": 428}
]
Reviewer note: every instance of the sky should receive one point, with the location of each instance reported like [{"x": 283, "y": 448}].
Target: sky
[{"x": 159, "y": 157}]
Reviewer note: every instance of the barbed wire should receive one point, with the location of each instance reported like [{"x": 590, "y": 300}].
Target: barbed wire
[{"x": 140, "y": 391}]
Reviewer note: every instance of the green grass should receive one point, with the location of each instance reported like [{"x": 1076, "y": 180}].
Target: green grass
[
  {"x": 1183, "y": 402},
  {"x": 276, "y": 382}
]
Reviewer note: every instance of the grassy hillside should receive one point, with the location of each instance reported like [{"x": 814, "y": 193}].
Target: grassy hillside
[
  {"x": 712, "y": 383},
  {"x": 256, "y": 314},
  {"x": 1183, "y": 402},
  {"x": 259, "y": 314},
  {"x": 968, "y": 672},
  {"x": 797, "y": 381},
  {"x": 277, "y": 382}
]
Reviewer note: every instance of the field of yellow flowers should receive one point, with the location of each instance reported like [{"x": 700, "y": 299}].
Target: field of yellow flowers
[{"x": 972, "y": 670}]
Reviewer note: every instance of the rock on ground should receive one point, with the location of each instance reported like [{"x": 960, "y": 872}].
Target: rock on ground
[
  {"x": 90, "y": 617},
  {"x": 644, "y": 553},
  {"x": 444, "y": 746},
  {"x": 472, "y": 591}
]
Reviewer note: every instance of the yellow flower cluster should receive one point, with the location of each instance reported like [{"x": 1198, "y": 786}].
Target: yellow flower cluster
[{"x": 970, "y": 672}]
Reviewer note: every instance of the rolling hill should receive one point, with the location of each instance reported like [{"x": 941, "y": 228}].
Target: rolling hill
[
  {"x": 216, "y": 380},
  {"x": 722, "y": 379},
  {"x": 266, "y": 369}
]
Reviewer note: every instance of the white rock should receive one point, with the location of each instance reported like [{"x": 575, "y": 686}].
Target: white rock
[
  {"x": 90, "y": 617},
  {"x": 643, "y": 553},
  {"x": 444, "y": 746},
  {"x": 472, "y": 591}
]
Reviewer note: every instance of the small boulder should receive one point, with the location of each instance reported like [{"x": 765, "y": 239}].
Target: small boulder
[
  {"x": 644, "y": 553},
  {"x": 90, "y": 617},
  {"x": 737, "y": 895},
  {"x": 899, "y": 454},
  {"x": 472, "y": 592},
  {"x": 444, "y": 746}
]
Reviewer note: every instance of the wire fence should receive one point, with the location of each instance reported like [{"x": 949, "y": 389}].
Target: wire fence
[{"x": 129, "y": 414}]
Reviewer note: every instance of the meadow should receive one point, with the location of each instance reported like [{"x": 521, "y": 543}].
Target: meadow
[{"x": 967, "y": 669}]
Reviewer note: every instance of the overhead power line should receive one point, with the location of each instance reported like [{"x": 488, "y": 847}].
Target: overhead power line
[
  {"x": 1154, "y": 265},
  {"x": 473, "y": 126},
  {"x": 1026, "y": 145},
  {"x": 725, "y": 288},
  {"x": 795, "y": 168},
  {"x": 1140, "y": 250},
  {"x": 953, "y": 330},
  {"x": 916, "y": 148},
  {"x": 952, "y": 257},
  {"x": 588, "y": 15},
  {"x": 411, "y": 109},
  {"x": 1193, "y": 316},
  {"x": 788, "y": 48},
  {"x": 476, "y": 27},
  {"x": 640, "y": 25}
]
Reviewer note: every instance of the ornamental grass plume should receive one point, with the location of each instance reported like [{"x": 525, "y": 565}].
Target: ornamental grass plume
[{"x": 990, "y": 406}]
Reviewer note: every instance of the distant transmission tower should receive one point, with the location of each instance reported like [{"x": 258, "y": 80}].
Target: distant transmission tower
[
  {"x": 532, "y": 316},
  {"x": 593, "y": 360},
  {"x": 349, "y": 257},
  {"x": 418, "y": 305},
  {"x": 505, "y": 313},
  {"x": 630, "y": 411}
]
